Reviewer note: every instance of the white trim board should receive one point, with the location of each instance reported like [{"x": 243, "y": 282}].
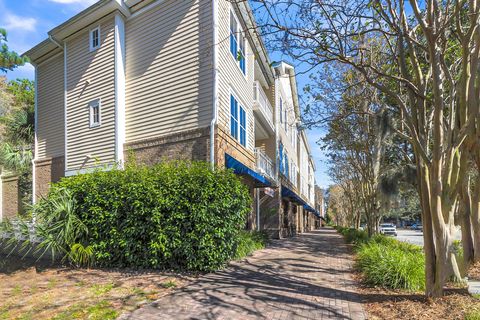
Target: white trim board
[{"x": 120, "y": 88}]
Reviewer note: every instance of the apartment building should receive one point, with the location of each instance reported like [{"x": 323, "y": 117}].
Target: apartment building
[{"x": 172, "y": 79}]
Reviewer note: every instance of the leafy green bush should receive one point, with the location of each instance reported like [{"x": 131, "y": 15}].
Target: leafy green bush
[
  {"x": 250, "y": 241},
  {"x": 175, "y": 215},
  {"x": 391, "y": 264}
]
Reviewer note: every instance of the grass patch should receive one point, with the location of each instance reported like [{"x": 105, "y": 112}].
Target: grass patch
[
  {"x": 100, "y": 311},
  {"x": 101, "y": 289},
  {"x": 52, "y": 283},
  {"x": 250, "y": 241},
  {"x": 17, "y": 290},
  {"x": 169, "y": 284},
  {"x": 473, "y": 315}
]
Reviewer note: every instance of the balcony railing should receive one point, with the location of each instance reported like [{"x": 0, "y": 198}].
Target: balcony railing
[
  {"x": 264, "y": 164},
  {"x": 262, "y": 102}
]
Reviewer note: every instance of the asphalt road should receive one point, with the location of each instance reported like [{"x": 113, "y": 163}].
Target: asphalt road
[
  {"x": 416, "y": 237},
  {"x": 411, "y": 236}
]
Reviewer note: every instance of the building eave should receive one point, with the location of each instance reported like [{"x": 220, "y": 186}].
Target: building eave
[{"x": 74, "y": 24}]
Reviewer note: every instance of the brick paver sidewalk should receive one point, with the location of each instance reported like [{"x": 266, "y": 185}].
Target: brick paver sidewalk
[{"x": 307, "y": 277}]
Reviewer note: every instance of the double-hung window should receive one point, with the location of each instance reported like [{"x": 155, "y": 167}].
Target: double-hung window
[
  {"x": 238, "y": 121},
  {"x": 237, "y": 42},
  {"x": 95, "y": 113},
  {"x": 95, "y": 39}
]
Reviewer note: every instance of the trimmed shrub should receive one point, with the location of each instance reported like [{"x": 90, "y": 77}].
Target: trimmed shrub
[
  {"x": 391, "y": 264},
  {"x": 250, "y": 241},
  {"x": 175, "y": 215}
]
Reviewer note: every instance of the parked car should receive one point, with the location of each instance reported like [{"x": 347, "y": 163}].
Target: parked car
[
  {"x": 388, "y": 229},
  {"x": 417, "y": 226}
]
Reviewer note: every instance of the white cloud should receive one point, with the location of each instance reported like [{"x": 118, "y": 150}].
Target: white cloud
[{"x": 14, "y": 22}]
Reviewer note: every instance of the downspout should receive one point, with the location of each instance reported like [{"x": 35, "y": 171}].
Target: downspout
[
  {"x": 55, "y": 42},
  {"x": 213, "y": 123},
  {"x": 35, "y": 143}
]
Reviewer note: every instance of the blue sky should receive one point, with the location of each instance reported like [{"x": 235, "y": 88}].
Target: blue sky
[{"x": 28, "y": 21}]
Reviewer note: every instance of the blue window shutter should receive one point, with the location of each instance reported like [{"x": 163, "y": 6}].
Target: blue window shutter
[
  {"x": 280, "y": 157},
  {"x": 233, "y": 35},
  {"x": 242, "y": 64},
  {"x": 286, "y": 165}
]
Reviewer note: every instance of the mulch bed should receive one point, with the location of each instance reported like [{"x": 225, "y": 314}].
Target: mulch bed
[
  {"x": 41, "y": 290},
  {"x": 474, "y": 272},
  {"x": 401, "y": 305}
]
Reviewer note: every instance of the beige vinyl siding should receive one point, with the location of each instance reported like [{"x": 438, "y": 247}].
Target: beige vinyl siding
[
  {"x": 231, "y": 77},
  {"x": 169, "y": 69},
  {"x": 99, "y": 69},
  {"x": 50, "y": 108},
  {"x": 283, "y": 86}
]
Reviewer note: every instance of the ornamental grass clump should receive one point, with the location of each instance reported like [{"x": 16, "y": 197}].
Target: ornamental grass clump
[{"x": 389, "y": 263}]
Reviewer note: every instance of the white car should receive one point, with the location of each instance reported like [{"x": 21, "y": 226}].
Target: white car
[{"x": 388, "y": 229}]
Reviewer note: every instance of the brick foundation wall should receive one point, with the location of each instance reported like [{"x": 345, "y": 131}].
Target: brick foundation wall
[
  {"x": 48, "y": 171},
  {"x": 11, "y": 204},
  {"x": 226, "y": 144},
  {"x": 186, "y": 145}
]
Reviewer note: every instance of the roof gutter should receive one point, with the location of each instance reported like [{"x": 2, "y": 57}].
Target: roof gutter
[{"x": 51, "y": 38}]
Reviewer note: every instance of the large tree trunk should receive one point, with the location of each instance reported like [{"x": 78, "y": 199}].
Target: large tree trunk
[
  {"x": 476, "y": 219},
  {"x": 429, "y": 245},
  {"x": 465, "y": 222}
]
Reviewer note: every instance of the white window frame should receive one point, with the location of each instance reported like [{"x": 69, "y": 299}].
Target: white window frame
[
  {"x": 93, "y": 48},
  {"x": 91, "y": 106},
  {"x": 239, "y": 32}
]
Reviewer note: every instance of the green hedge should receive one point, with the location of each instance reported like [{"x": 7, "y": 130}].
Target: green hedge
[{"x": 176, "y": 215}]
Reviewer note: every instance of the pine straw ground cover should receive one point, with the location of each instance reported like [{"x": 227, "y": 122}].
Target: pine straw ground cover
[
  {"x": 43, "y": 292},
  {"x": 387, "y": 304},
  {"x": 474, "y": 272}
]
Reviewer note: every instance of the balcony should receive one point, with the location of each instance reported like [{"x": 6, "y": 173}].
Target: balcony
[
  {"x": 264, "y": 164},
  {"x": 262, "y": 107}
]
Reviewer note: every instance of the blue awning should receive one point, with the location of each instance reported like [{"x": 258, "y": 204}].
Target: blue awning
[
  {"x": 240, "y": 168},
  {"x": 286, "y": 192}
]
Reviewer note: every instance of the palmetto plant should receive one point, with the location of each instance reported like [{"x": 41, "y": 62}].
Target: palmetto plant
[
  {"x": 15, "y": 158},
  {"x": 59, "y": 227},
  {"x": 19, "y": 125},
  {"x": 53, "y": 228}
]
